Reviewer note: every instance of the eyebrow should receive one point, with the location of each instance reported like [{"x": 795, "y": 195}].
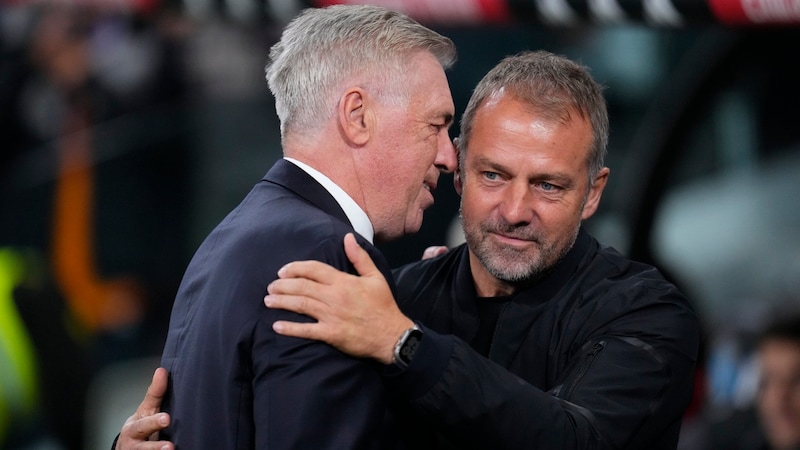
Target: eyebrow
[{"x": 559, "y": 177}]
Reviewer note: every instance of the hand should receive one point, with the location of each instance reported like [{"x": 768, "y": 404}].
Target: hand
[
  {"x": 356, "y": 314},
  {"x": 432, "y": 252},
  {"x": 140, "y": 431}
]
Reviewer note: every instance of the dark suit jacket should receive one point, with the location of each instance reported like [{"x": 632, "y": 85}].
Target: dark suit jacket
[{"x": 236, "y": 384}]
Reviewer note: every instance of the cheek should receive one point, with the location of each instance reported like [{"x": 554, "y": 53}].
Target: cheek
[
  {"x": 563, "y": 216},
  {"x": 473, "y": 205}
]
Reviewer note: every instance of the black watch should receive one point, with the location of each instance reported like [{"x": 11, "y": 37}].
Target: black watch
[{"x": 407, "y": 346}]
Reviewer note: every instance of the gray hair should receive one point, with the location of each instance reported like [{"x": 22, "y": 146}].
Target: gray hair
[
  {"x": 551, "y": 84},
  {"x": 323, "y": 47}
]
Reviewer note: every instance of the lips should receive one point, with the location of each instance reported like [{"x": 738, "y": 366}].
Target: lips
[
  {"x": 511, "y": 239},
  {"x": 506, "y": 231}
]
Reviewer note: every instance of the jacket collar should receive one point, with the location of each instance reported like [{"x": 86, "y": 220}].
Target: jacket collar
[
  {"x": 293, "y": 178},
  {"x": 543, "y": 289},
  {"x": 525, "y": 306}
]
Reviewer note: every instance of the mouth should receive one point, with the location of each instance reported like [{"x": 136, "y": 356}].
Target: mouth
[
  {"x": 518, "y": 241},
  {"x": 429, "y": 186}
]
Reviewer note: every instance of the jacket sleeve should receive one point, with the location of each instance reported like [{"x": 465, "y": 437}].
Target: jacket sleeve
[{"x": 620, "y": 389}]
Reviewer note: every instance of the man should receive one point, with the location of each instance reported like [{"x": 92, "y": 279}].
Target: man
[
  {"x": 532, "y": 335},
  {"x": 778, "y": 402},
  {"x": 360, "y": 92}
]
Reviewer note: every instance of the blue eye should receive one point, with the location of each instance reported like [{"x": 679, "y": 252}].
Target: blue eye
[{"x": 490, "y": 175}]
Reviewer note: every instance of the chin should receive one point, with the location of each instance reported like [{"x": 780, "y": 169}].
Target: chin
[{"x": 413, "y": 225}]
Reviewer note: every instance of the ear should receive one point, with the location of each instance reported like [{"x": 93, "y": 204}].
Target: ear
[
  {"x": 595, "y": 192},
  {"x": 352, "y": 115},
  {"x": 457, "y": 182}
]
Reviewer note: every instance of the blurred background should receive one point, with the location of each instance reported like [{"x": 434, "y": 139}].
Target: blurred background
[{"x": 129, "y": 128}]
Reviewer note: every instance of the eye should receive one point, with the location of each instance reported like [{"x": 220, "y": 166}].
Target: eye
[
  {"x": 545, "y": 186},
  {"x": 491, "y": 175}
]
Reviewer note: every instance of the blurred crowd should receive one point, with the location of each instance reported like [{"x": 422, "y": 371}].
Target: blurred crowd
[{"x": 92, "y": 197}]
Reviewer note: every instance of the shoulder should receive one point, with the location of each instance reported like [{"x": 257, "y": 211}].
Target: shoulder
[
  {"x": 431, "y": 281},
  {"x": 433, "y": 268},
  {"x": 607, "y": 273},
  {"x": 609, "y": 287}
]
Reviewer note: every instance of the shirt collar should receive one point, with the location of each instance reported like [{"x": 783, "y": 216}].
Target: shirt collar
[{"x": 357, "y": 217}]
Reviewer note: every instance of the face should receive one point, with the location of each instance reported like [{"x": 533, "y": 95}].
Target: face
[
  {"x": 524, "y": 191},
  {"x": 779, "y": 392},
  {"x": 414, "y": 146}
]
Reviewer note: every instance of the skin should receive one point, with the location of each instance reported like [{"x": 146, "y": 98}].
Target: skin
[
  {"x": 140, "y": 431},
  {"x": 778, "y": 401},
  {"x": 387, "y": 158},
  {"x": 524, "y": 192},
  {"x": 414, "y": 146}
]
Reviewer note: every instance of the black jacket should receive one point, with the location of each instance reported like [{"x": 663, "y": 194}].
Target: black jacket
[{"x": 598, "y": 354}]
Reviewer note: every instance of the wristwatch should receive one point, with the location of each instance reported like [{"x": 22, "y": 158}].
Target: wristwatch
[{"x": 406, "y": 346}]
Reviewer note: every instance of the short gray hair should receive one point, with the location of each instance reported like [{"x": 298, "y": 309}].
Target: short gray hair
[
  {"x": 323, "y": 47},
  {"x": 552, "y": 85}
]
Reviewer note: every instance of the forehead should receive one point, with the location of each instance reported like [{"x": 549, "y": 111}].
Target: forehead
[
  {"x": 505, "y": 128},
  {"x": 428, "y": 86}
]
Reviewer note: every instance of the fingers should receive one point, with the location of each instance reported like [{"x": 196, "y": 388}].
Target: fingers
[
  {"x": 295, "y": 286},
  {"x": 146, "y": 422},
  {"x": 143, "y": 428},
  {"x": 313, "y": 270},
  {"x": 145, "y": 445},
  {"x": 299, "y": 330},
  {"x": 155, "y": 393},
  {"x": 359, "y": 257},
  {"x": 434, "y": 251},
  {"x": 310, "y": 274},
  {"x": 282, "y": 295},
  {"x": 137, "y": 432}
]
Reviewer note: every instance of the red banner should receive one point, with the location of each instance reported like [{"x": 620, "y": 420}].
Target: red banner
[
  {"x": 756, "y": 12},
  {"x": 440, "y": 11}
]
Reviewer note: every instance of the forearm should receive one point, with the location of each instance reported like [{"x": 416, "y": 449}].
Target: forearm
[{"x": 475, "y": 401}]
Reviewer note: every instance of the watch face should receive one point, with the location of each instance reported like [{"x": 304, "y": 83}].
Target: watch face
[{"x": 409, "y": 347}]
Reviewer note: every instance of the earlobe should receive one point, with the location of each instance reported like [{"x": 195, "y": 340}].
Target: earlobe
[{"x": 353, "y": 119}]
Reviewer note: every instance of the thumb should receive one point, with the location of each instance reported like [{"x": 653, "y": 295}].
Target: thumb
[{"x": 359, "y": 257}]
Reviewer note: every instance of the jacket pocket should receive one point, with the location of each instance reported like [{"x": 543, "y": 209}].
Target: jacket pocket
[{"x": 583, "y": 367}]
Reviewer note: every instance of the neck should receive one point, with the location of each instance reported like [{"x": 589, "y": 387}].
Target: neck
[{"x": 334, "y": 163}]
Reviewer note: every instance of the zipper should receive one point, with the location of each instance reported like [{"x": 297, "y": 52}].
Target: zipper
[{"x": 584, "y": 367}]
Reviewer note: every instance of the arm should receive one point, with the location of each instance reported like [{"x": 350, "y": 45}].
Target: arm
[
  {"x": 616, "y": 394},
  {"x": 617, "y": 391},
  {"x": 140, "y": 431}
]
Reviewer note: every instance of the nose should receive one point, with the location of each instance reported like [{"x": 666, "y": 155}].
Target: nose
[
  {"x": 516, "y": 206},
  {"x": 445, "y": 154}
]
